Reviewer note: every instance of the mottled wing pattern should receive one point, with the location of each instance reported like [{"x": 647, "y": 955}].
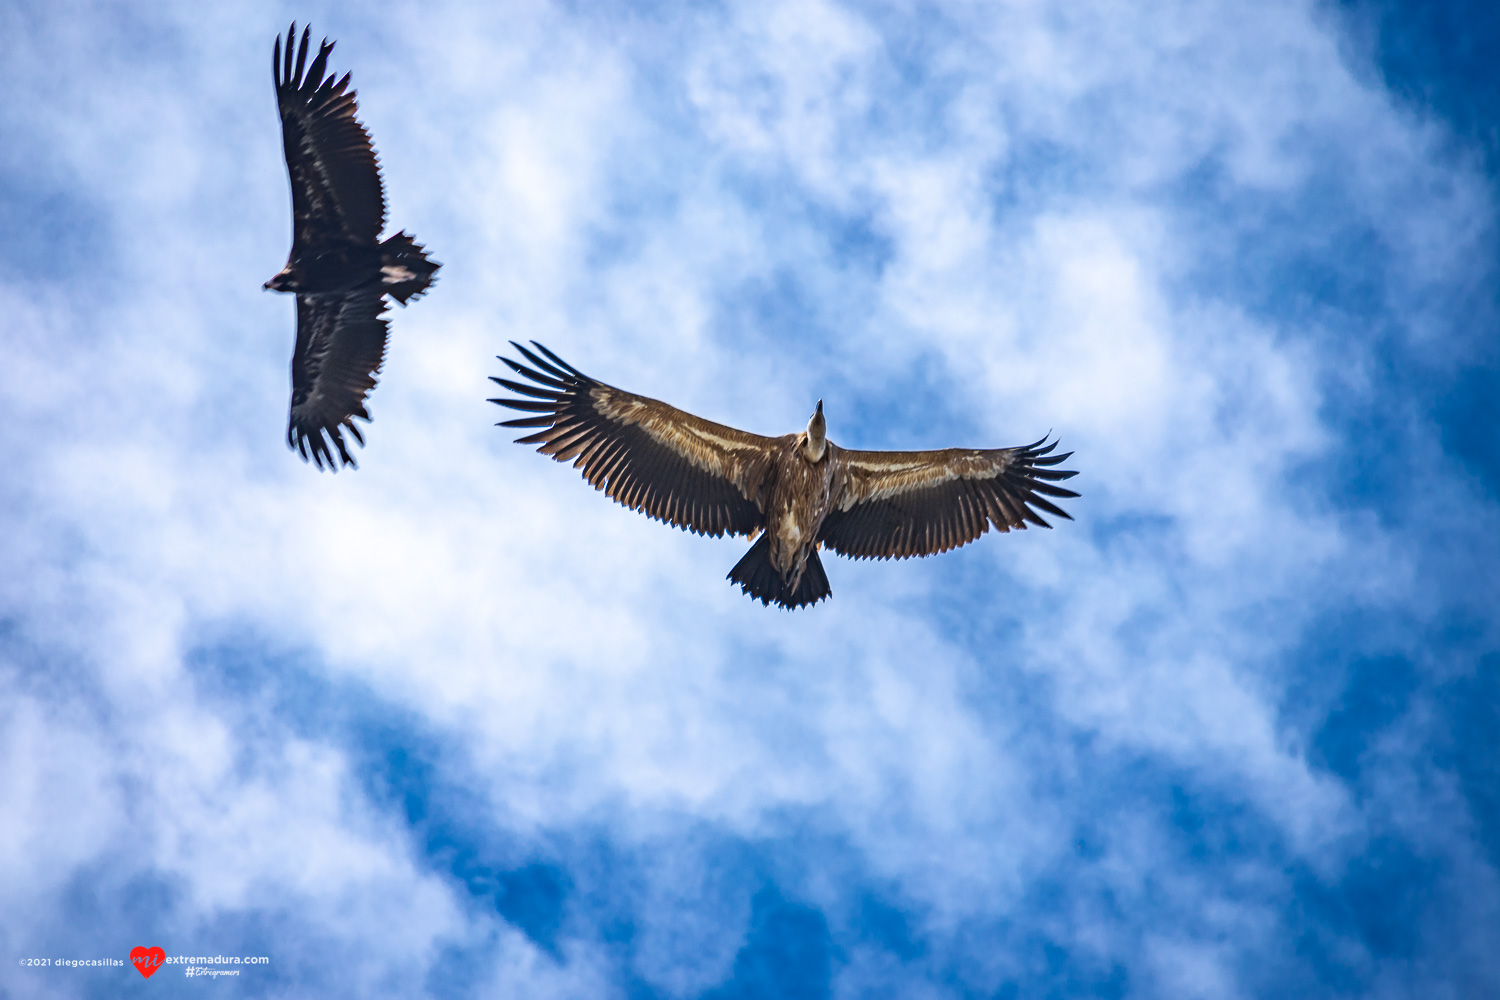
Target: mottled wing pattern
[
  {"x": 340, "y": 347},
  {"x": 336, "y": 193},
  {"x": 898, "y": 504},
  {"x": 649, "y": 456}
]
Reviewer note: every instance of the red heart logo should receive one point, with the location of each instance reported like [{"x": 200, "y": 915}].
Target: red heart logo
[{"x": 147, "y": 960}]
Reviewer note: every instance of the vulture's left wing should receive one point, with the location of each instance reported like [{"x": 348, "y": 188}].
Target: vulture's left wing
[
  {"x": 897, "y": 504},
  {"x": 651, "y": 457},
  {"x": 340, "y": 347}
]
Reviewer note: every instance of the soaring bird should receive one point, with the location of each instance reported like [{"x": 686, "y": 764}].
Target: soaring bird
[
  {"x": 797, "y": 492},
  {"x": 338, "y": 268}
]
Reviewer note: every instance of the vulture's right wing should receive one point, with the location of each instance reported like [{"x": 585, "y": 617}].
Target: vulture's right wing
[
  {"x": 649, "y": 456},
  {"x": 336, "y": 193}
]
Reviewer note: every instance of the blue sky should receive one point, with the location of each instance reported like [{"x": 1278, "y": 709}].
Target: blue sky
[{"x": 455, "y": 725}]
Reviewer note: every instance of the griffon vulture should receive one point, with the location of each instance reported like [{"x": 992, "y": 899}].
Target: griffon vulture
[
  {"x": 798, "y": 492},
  {"x": 338, "y": 268}
]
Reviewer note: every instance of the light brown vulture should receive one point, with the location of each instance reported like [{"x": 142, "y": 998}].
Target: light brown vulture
[
  {"x": 338, "y": 267},
  {"x": 799, "y": 491}
]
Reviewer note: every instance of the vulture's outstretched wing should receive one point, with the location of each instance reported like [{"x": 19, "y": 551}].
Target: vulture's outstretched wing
[
  {"x": 649, "y": 456},
  {"x": 340, "y": 346},
  {"x": 336, "y": 192},
  {"x": 916, "y": 503}
]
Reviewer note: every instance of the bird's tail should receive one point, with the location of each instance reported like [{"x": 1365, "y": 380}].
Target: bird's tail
[
  {"x": 405, "y": 271},
  {"x": 757, "y": 576}
]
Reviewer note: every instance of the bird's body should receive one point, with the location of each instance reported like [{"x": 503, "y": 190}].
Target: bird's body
[
  {"x": 338, "y": 267},
  {"x": 328, "y": 269},
  {"x": 397, "y": 267},
  {"x": 795, "y": 497},
  {"x": 797, "y": 492}
]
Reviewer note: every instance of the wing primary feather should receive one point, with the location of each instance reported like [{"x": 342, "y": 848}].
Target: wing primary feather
[
  {"x": 543, "y": 365},
  {"x": 533, "y": 391},
  {"x": 532, "y": 373},
  {"x": 1030, "y": 514},
  {"x": 535, "y": 376},
  {"x": 526, "y": 404},
  {"x": 302, "y": 56},
  {"x": 319, "y": 65},
  {"x": 1049, "y": 507},
  {"x": 1050, "y": 490},
  {"x": 567, "y": 367}
]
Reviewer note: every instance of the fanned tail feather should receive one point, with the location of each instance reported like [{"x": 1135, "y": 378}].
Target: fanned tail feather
[
  {"x": 405, "y": 270},
  {"x": 757, "y": 577}
]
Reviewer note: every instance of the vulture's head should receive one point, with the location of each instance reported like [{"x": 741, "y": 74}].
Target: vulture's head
[
  {"x": 817, "y": 436},
  {"x": 281, "y": 281}
]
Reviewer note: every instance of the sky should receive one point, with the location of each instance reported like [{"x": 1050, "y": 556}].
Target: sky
[{"x": 453, "y": 724}]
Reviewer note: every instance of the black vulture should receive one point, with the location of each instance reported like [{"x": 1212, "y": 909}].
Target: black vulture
[{"x": 339, "y": 268}]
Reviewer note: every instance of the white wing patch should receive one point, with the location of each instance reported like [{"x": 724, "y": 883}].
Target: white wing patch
[
  {"x": 722, "y": 452},
  {"x": 889, "y": 474}
]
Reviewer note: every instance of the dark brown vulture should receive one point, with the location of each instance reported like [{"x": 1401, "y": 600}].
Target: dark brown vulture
[
  {"x": 799, "y": 492},
  {"x": 338, "y": 267}
]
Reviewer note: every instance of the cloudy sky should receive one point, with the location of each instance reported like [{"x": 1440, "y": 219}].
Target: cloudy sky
[{"x": 453, "y": 724}]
